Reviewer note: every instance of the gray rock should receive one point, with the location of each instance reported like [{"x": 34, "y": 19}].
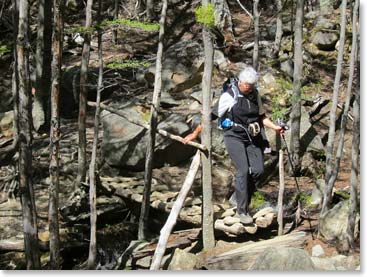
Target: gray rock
[
  {"x": 283, "y": 259},
  {"x": 124, "y": 143},
  {"x": 287, "y": 67},
  {"x": 182, "y": 260},
  {"x": 323, "y": 263},
  {"x": 347, "y": 262},
  {"x": 334, "y": 224},
  {"x": 317, "y": 192},
  {"x": 325, "y": 40},
  {"x": 6, "y": 123},
  {"x": 308, "y": 165},
  {"x": 317, "y": 251},
  {"x": 310, "y": 140}
]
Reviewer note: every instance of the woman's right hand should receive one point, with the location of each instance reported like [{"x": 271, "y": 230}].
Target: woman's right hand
[{"x": 189, "y": 137}]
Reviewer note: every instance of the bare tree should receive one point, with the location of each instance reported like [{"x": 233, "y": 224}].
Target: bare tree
[
  {"x": 82, "y": 159},
  {"x": 356, "y": 136},
  {"x": 15, "y": 80},
  {"x": 115, "y": 16},
  {"x": 297, "y": 78},
  {"x": 150, "y": 9},
  {"x": 26, "y": 192},
  {"x": 279, "y": 31},
  {"x": 144, "y": 214},
  {"x": 92, "y": 257},
  {"x": 206, "y": 138},
  {"x": 43, "y": 66},
  {"x": 344, "y": 118},
  {"x": 255, "y": 57},
  {"x": 53, "y": 212},
  {"x": 331, "y": 135}
]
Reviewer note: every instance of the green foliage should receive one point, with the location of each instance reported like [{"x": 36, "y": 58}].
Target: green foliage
[
  {"x": 305, "y": 198},
  {"x": 258, "y": 199},
  {"x": 4, "y": 49},
  {"x": 278, "y": 111},
  {"x": 205, "y": 15},
  {"x": 128, "y": 64},
  {"x": 81, "y": 30},
  {"x": 150, "y": 27}
]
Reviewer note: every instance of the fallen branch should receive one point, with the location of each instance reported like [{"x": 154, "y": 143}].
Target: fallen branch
[
  {"x": 146, "y": 126},
  {"x": 172, "y": 218}
]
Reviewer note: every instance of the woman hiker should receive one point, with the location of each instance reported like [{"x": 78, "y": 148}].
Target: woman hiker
[{"x": 242, "y": 117}]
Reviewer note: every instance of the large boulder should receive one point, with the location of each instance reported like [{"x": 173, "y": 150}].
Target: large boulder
[
  {"x": 334, "y": 224},
  {"x": 310, "y": 140},
  {"x": 283, "y": 259},
  {"x": 325, "y": 40},
  {"x": 182, "y": 67},
  {"x": 124, "y": 143}
]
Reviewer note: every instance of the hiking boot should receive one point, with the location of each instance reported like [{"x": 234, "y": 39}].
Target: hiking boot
[{"x": 245, "y": 218}]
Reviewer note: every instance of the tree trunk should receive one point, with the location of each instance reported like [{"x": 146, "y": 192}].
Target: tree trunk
[
  {"x": 356, "y": 135},
  {"x": 43, "y": 66},
  {"x": 279, "y": 32},
  {"x": 82, "y": 159},
  {"x": 25, "y": 143},
  {"x": 172, "y": 218},
  {"x": 206, "y": 157},
  {"x": 115, "y": 16},
  {"x": 144, "y": 214},
  {"x": 345, "y": 114},
  {"x": 15, "y": 79},
  {"x": 281, "y": 192},
  {"x": 92, "y": 258},
  {"x": 150, "y": 9},
  {"x": 331, "y": 135},
  {"x": 53, "y": 212},
  {"x": 296, "y": 99},
  {"x": 255, "y": 57}
]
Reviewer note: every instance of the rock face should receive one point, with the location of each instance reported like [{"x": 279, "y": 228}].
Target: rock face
[
  {"x": 334, "y": 224},
  {"x": 182, "y": 67},
  {"x": 283, "y": 259},
  {"x": 124, "y": 143}
]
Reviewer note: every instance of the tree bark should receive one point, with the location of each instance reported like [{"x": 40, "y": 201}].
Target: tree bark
[
  {"x": 281, "y": 192},
  {"x": 296, "y": 99},
  {"x": 115, "y": 16},
  {"x": 279, "y": 32},
  {"x": 206, "y": 137},
  {"x": 172, "y": 218},
  {"x": 43, "y": 66},
  {"x": 92, "y": 257},
  {"x": 345, "y": 114},
  {"x": 53, "y": 212},
  {"x": 255, "y": 57},
  {"x": 356, "y": 136},
  {"x": 144, "y": 213},
  {"x": 331, "y": 136},
  {"x": 15, "y": 77},
  {"x": 25, "y": 142},
  {"x": 82, "y": 159},
  {"x": 150, "y": 9}
]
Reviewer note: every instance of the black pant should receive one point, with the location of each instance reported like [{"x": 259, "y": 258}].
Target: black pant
[{"x": 249, "y": 162}]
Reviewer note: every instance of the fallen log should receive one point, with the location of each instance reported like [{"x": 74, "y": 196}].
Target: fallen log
[
  {"x": 172, "y": 218},
  {"x": 243, "y": 257}
]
